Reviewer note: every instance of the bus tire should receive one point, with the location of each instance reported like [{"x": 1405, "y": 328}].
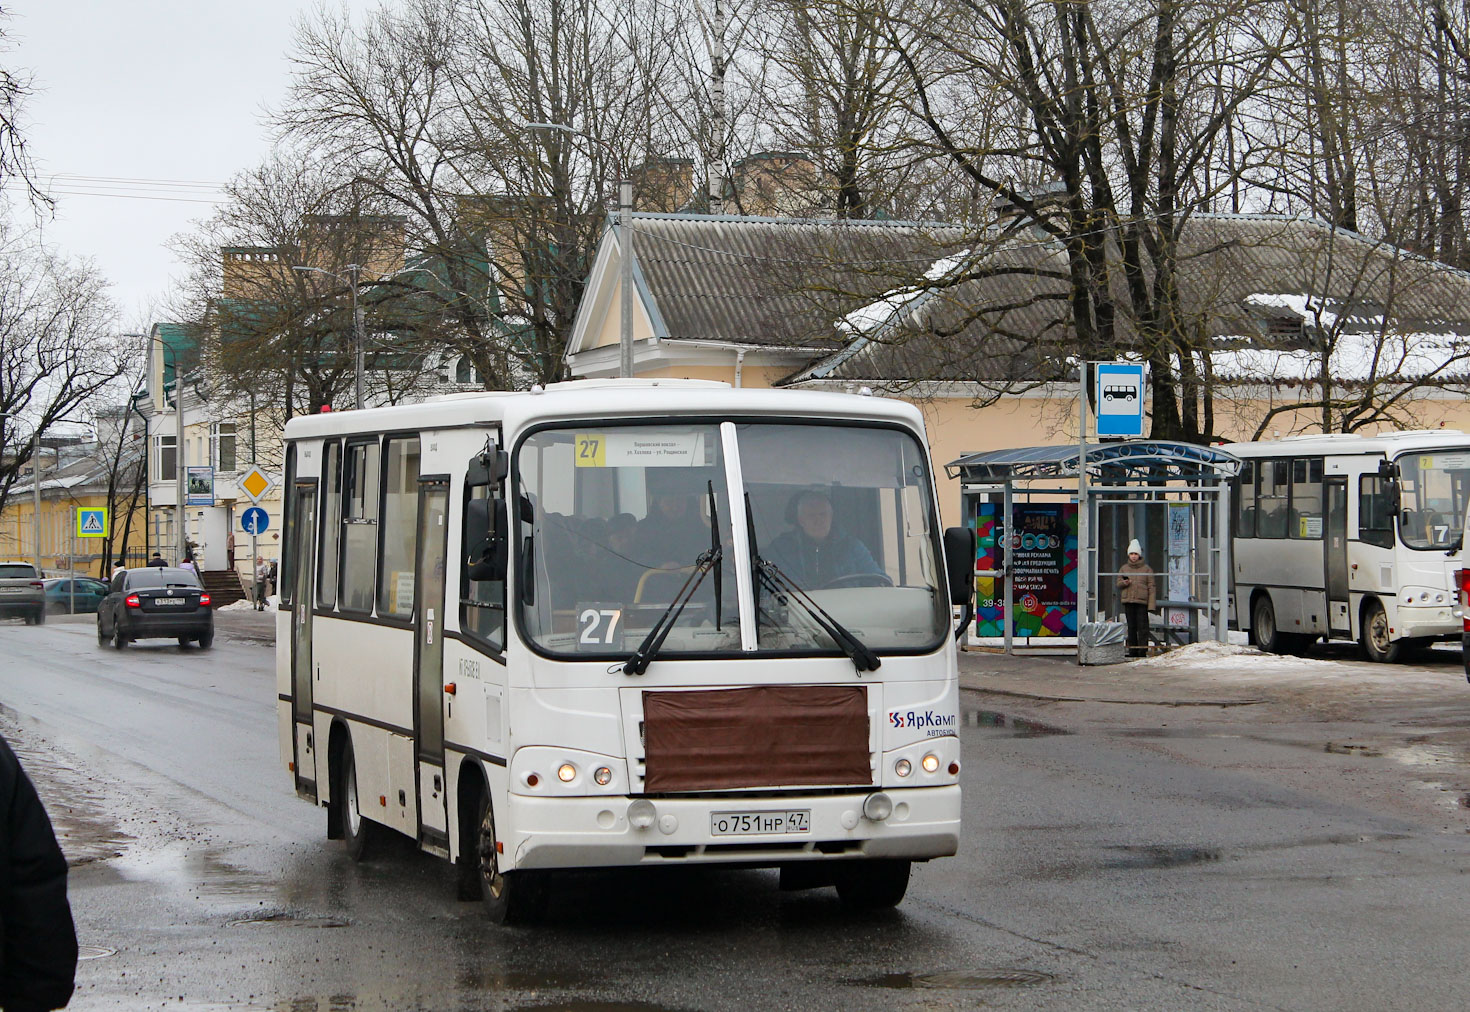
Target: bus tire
[
  {"x": 1374, "y": 636},
  {"x": 358, "y": 833},
  {"x": 875, "y": 884},
  {"x": 511, "y": 897},
  {"x": 1263, "y": 626}
]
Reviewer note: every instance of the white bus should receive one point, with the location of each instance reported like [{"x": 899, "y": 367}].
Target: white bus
[
  {"x": 625, "y": 623},
  {"x": 1350, "y": 537}
]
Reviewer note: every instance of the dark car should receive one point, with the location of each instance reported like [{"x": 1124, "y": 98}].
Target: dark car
[
  {"x": 86, "y": 595},
  {"x": 153, "y": 603}
]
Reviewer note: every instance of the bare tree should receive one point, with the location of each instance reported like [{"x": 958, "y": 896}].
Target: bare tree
[{"x": 58, "y": 345}]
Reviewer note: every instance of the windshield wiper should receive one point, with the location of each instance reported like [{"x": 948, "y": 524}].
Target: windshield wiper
[
  {"x": 786, "y": 590},
  {"x": 649, "y": 648}
]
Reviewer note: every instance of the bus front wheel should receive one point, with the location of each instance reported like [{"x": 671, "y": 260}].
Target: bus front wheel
[
  {"x": 510, "y": 897},
  {"x": 357, "y": 832},
  {"x": 1376, "y": 638},
  {"x": 873, "y": 884},
  {"x": 1263, "y": 627}
]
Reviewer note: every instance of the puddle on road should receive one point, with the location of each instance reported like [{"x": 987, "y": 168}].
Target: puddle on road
[
  {"x": 286, "y": 919},
  {"x": 958, "y": 980},
  {"x": 1161, "y": 856},
  {"x": 1020, "y": 727}
]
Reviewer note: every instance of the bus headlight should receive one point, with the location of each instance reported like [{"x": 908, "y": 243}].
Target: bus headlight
[
  {"x": 877, "y": 807},
  {"x": 566, "y": 773},
  {"x": 930, "y": 763},
  {"x": 903, "y": 767},
  {"x": 603, "y": 776}
]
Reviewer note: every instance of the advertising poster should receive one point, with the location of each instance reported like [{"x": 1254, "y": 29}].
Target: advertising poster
[
  {"x": 1041, "y": 547},
  {"x": 198, "y": 486}
]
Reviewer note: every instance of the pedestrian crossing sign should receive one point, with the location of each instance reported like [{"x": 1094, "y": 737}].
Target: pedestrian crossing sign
[{"x": 92, "y": 522}]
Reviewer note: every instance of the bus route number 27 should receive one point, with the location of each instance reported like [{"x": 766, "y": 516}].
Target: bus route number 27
[
  {"x": 591, "y": 449},
  {"x": 599, "y": 627}
]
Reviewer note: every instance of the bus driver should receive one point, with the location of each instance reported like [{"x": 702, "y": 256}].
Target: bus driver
[{"x": 813, "y": 552}]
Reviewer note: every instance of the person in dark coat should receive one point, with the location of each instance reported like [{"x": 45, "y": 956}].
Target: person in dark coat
[
  {"x": 38, "y": 942},
  {"x": 157, "y": 561},
  {"x": 815, "y": 552},
  {"x": 1139, "y": 590}
]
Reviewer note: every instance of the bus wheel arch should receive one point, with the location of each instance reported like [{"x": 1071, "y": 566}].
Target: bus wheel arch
[
  {"x": 1375, "y": 634},
  {"x": 510, "y": 897}
]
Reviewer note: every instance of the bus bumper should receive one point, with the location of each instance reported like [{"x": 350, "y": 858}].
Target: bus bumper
[
  {"x": 596, "y": 832},
  {"x": 1413, "y": 621}
]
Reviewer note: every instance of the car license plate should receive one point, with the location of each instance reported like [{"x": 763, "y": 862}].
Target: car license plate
[
  {"x": 12, "y": 590},
  {"x": 760, "y": 823},
  {"x": 175, "y": 601}
]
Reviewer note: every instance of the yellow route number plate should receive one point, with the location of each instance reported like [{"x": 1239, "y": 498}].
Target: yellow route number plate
[{"x": 591, "y": 449}]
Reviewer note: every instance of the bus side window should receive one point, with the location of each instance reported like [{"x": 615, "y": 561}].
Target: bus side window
[
  {"x": 1306, "y": 499},
  {"x": 1375, "y": 512},
  {"x": 482, "y": 602},
  {"x": 1271, "y": 500},
  {"x": 400, "y": 527},
  {"x": 1245, "y": 501}
]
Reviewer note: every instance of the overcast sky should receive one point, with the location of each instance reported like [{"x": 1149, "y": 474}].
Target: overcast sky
[{"x": 144, "y": 100}]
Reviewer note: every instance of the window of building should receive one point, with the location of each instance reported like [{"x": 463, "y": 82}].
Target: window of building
[
  {"x": 400, "y": 528},
  {"x": 359, "y": 526},
  {"x": 222, "y": 446},
  {"x": 165, "y": 458},
  {"x": 326, "y": 591},
  {"x": 1306, "y": 499},
  {"x": 465, "y": 372}
]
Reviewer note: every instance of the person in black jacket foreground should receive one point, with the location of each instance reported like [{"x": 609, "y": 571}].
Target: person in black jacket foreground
[{"x": 38, "y": 942}]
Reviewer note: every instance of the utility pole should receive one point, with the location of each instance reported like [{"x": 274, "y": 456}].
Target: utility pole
[
  {"x": 357, "y": 332},
  {"x": 625, "y": 286},
  {"x": 36, "y": 494}
]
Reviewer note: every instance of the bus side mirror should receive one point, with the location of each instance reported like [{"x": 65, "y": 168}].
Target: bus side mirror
[
  {"x": 488, "y": 467},
  {"x": 959, "y": 564},
  {"x": 484, "y": 538}
]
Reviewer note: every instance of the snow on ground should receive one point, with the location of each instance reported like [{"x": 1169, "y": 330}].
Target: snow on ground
[
  {"x": 1225, "y": 665},
  {"x": 245, "y": 605}
]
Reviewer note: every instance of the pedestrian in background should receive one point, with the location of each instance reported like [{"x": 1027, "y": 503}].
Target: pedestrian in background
[
  {"x": 262, "y": 576},
  {"x": 38, "y": 941},
  {"x": 157, "y": 561},
  {"x": 230, "y": 549},
  {"x": 1139, "y": 593}
]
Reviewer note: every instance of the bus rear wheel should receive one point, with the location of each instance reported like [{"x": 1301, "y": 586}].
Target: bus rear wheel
[
  {"x": 1376, "y": 638},
  {"x": 1263, "y": 627},
  {"x": 510, "y": 897},
  {"x": 873, "y": 884}
]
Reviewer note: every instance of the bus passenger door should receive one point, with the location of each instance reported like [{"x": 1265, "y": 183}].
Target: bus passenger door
[
  {"x": 303, "y": 536},
  {"x": 1339, "y": 612},
  {"x": 428, "y": 662}
]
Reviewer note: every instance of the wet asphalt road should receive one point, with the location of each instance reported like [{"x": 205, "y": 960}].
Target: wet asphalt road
[{"x": 1096, "y": 872}]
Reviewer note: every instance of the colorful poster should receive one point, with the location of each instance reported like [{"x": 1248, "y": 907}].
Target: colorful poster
[{"x": 1041, "y": 547}]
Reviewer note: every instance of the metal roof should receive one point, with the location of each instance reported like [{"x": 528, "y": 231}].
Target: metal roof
[{"x": 1138, "y": 460}]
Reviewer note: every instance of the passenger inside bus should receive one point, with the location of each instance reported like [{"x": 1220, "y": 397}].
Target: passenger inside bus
[{"x": 816, "y": 553}]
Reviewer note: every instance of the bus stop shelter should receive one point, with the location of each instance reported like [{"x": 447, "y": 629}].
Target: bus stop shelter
[{"x": 1047, "y": 553}]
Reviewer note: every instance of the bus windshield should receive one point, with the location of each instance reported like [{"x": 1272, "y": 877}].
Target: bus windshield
[
  {"x": 1433, "y": 489},
  {"x": 614, "y": 519}
]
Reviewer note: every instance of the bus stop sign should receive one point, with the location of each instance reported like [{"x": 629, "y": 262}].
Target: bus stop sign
[{"x": 1119, "y": 399}]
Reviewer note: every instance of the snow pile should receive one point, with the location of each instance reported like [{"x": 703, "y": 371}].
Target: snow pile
[{"x": 246, "y": 605}]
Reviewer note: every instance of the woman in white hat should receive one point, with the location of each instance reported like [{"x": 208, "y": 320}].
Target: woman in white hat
[{"x": 1138, "y": 586}]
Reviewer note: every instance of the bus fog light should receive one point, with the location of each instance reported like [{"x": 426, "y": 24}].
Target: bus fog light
[
  {"x": 641, "y": 813},
  {"x": 603, "y": 776},
  {"x": 930, "y": 763},
  {"x": 903, "y": 767},
  {"x": 566, "y": 773},
  {"x": 668, "y": 825},
  {"x": 877, "y": 807}
]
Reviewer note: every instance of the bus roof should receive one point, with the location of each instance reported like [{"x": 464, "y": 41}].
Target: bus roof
[
  {"x": 603, "y": 398},
  {"x": 1388, "y": 444}
]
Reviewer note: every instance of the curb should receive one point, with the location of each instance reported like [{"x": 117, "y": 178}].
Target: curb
[{"x": 1047, "y": 698}]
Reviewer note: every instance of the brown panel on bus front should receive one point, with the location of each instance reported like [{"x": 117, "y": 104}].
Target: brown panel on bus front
[{"x": 765, "y": 736}]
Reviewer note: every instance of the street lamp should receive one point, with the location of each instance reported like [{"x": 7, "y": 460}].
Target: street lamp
[
  {"x": 625, "y": 246},
  {"x": 356, "y": 322}
]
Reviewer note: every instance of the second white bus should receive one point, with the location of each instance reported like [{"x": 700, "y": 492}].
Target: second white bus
[{"x": 1350, "y": 537}]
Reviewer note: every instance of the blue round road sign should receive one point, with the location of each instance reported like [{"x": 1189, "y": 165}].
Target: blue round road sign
[{"x": 255, "y": 520}]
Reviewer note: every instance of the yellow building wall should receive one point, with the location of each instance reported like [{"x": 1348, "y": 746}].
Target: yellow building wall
[{"x": 59, "y": 542}]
